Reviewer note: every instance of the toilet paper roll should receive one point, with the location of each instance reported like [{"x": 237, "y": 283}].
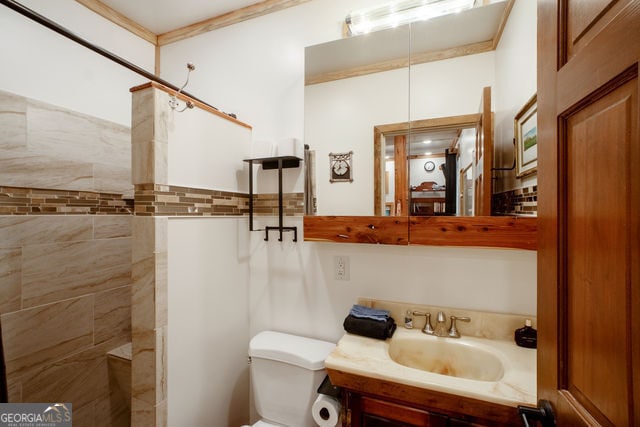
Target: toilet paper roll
[{"x": 326, "y": 411}]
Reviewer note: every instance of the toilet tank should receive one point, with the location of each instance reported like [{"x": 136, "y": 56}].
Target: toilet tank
[{"x": 286, "y": 371}]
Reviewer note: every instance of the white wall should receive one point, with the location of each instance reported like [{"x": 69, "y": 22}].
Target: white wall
[
  {"x": 206, "y": 151},
  {"x": 516, "y": 83},
  {"x": 208, "y": 339},
  {"x": 40, "y": 64},
  {"x": 293, "y": 287}
]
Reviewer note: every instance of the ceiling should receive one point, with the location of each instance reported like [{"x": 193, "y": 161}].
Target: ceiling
[{"x": 162, "y": 16}]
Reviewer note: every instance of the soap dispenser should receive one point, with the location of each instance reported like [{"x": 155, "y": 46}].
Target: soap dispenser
[{"x": 526, "y": 336}]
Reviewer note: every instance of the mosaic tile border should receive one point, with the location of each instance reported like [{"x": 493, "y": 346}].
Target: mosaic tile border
[
  {"x": 38, "y": 201},
  {"x": 171, "y": 200},
  {"x": 149, "y": 200},
  {"x": 521, "y": 201}
]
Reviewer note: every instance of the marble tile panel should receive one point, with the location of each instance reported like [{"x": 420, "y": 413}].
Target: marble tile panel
[
  {"x": 110, "y": 226},
  {"x": 149, "y": 235},
  {"x": 13, "y": 121},
  {"x": 143, "y": 414},
  {"x": 115, "y": 144},
  {"x": 149, "y": 365},
  {"x": 149, "y": 162},
  {"x": 14, "y": 391},
  {"x": 23, "y": 230},
  {"x": 56, "y": 271},
  {"x": 80, "y": 379},
  {"x": 149, "y": 292},
  {"x": 10, "y": 279},
  {"x": 142, "y": 115},
  {"x": 62, "y": 133},
  {"x": 112, "y": 315},
  {"x": 113, "y": 179},
  {"x": 46, "y": 333},
  {"x": 40, "y": 171}
]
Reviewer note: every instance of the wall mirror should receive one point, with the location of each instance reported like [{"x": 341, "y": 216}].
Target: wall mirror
[
  {"x": 376, "y": 93},
  {"x": 383, "y": 96}
]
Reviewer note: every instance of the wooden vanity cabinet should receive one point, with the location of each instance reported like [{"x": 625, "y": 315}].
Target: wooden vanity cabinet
[{"x": 372, "y": 402}]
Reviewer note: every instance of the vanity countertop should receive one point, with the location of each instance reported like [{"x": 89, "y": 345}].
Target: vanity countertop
[{"x": 370, "y": 358}]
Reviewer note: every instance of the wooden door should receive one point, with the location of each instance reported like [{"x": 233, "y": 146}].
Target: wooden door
[
  {"x": 588, "y": 211},
  {"x": 483, "y": 185}
]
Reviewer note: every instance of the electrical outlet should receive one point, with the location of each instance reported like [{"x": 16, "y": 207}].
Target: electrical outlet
[{"x": 341, "y": 267}]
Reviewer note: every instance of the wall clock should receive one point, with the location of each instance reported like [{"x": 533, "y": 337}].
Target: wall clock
[
  {"x": 341, "y": 167},
  {"x": 429, "y": 166}
]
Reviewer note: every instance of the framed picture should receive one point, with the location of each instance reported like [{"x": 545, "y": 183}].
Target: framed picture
[
  {"x": 341, "y": 167},
  {"x": 526, "y": 136}
]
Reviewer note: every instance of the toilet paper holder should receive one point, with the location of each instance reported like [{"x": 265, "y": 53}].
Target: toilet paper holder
[{"x": 329, "y": 389}]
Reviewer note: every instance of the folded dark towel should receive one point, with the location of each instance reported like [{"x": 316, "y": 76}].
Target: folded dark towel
[{"x": 370, "y": 328}]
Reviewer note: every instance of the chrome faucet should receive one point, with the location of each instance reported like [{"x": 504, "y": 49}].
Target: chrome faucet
[
  {"x": 441, "y": 326},
  {"x": 453, "y": 331},
  {"x": 428, "y": 329}
]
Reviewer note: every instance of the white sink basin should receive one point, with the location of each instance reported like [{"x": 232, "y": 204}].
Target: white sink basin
[{"x": 446, "y": 356}]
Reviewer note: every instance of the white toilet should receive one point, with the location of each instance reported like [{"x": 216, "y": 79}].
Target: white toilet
[{"x": 286, "y": 371}]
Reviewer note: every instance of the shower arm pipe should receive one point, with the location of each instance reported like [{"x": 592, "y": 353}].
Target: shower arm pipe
[{"x": 46, "y": 22}]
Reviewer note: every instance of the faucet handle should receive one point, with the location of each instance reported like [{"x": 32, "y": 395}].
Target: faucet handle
[
  {"x": 453, "y": 331},
  {"x": 428, "y": 329}
]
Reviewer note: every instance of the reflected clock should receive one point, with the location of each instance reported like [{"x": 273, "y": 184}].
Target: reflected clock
[
  {"x": 429, "y": 166},
  {"x": 341, "y": 167}
]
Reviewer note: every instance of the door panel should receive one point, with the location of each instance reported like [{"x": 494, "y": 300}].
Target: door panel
[
  {"x": 598, "y": 353},
  {"x": 584, "y": 18},
  {"x": 589, "y": 211}
]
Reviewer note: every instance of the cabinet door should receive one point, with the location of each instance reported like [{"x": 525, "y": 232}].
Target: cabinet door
[{"x": 370, "y": 412}]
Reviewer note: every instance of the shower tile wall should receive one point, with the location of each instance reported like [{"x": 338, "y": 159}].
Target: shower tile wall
[{"x": 65, "y": 256}]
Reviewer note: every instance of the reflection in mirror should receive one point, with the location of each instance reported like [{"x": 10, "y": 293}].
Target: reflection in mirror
[
  {"x": 435, "y": 152},
  {"x": 423, "y": 70}
]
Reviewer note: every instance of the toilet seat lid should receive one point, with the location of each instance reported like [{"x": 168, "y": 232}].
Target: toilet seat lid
[{"x": 304, "y": 352}]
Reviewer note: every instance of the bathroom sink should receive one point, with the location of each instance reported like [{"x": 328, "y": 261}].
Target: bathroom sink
[{"x": 446, "y": 356}]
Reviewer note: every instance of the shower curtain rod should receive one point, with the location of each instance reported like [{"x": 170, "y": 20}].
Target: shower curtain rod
[{"x": 25, "y": 11}]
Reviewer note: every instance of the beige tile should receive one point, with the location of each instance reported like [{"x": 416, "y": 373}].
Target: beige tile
[
  {"x": 148, "y": 366},
  {"x": 14, "y": 390},
  {"x": 122, "y": 352},
  {"x": 110, "y": 226},
  {"x": 84, "y": 416},
  {"x": 113, "y": 179},
  {"x": 66, "y": 134},
  {"x": 10, "y": 274},
  {"x": 149, "y": 137},
  {"x": 112, "y": 315},
  {"x": 46, "y": 333},
  {"x": 115, "y": 144},
  {"x": 143, "y": 414},
  {"x": 149, "y": 162},
  {"x": 149, "y": 292},
  {"x": 143, "y": 304},
  {"x": 80, "y": 379},
  {"x": 13, "y": 121},
  {"x": 115, "y": 410},
  {"x": 64, "y": 270},
  {"x": 149, "y": 236},
  {"x": 28, "y": 230},
  {"x": 42, "y": 171}
]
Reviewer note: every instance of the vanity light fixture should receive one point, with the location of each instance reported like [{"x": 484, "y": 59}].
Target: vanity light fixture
[{"x": 391, "y": 15}]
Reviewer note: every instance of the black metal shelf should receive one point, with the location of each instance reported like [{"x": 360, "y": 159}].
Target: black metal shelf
[{"x": 270, "y": 163}]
